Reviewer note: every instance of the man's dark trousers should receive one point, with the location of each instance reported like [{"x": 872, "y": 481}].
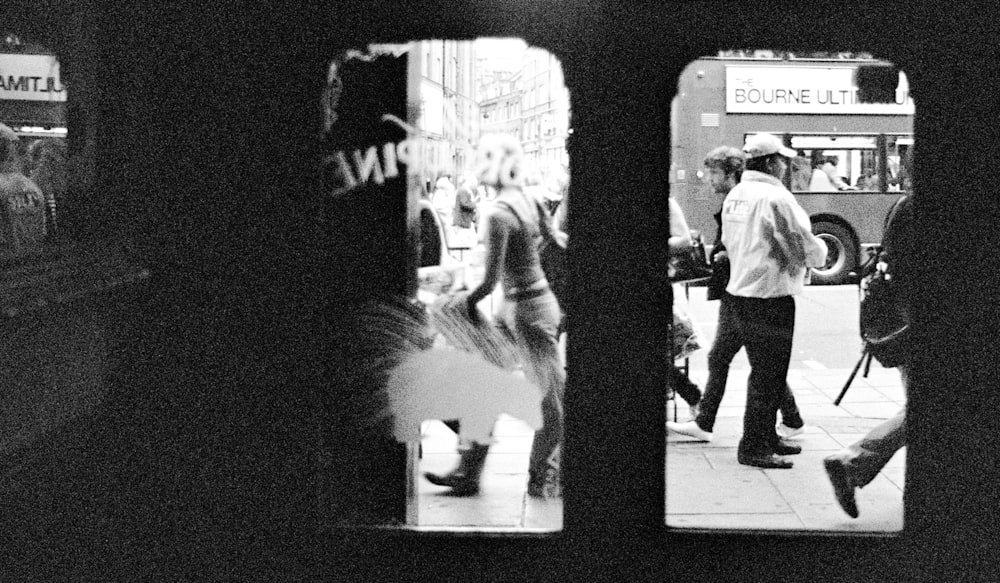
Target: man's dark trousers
[
  {"x": 728, "y": 341},
  {"x": 765, "y": 327}
]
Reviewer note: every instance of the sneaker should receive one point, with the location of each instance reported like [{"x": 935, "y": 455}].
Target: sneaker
[
  {"x": 787, "y": 432},
  {"x": 690, "y": 429}
]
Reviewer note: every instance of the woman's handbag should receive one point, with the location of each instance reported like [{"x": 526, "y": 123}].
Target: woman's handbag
[
  {"x": 690, "y": 264},
  {"x": 720, "y": 274},
  {"x": 450, "y": 317}
]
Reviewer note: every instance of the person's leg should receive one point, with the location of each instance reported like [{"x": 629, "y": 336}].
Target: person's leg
[
  {"x": 768, "y": 325},
  {"x": 728, "y": 341},
  {"x": 536, "y": 325},
  {"x": 790, "y": 416},
  {"x": 865, "y": 458},
  {"x": 857, "y": 465},
  {"x": 683, "y": 386},
  {"x": 464, "y": 479}
]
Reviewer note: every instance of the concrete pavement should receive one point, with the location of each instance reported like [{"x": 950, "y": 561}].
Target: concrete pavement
[{"x": 706, "y": 487}]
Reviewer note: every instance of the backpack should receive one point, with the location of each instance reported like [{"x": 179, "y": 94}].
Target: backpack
[{"x": 884, "y": 329}]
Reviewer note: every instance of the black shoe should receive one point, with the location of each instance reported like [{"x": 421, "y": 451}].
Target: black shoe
[
  {"x": 536, "y": 490},
  {"x": 463, "y": 480},
  {"x": 842, "y": 487},
  {"x": 763, "y": 460},
  {"x": 782, "y": 448},
  {"x": 546, "y": 486},
  {"x": 460, "y": 484}
]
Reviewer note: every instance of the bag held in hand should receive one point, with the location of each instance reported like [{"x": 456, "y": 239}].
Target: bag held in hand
[
  {"x": 720, "y": 274},
  {"x": 691, "y": 264}
]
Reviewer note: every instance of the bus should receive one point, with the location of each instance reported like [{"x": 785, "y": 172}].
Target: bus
[
  {"x": 851, "y": 164},
  {"x": 32, "y": 96}
]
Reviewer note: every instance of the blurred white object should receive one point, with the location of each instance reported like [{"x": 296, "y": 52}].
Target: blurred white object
[{"x": 444, "y": 383}]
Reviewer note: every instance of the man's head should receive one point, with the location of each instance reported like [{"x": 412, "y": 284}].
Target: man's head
[
  {"x": 725, "y": 167},
  {"x": 765, "y": 153}
]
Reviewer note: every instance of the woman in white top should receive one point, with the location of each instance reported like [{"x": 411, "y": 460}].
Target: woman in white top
[{"x": 679, "y": 241}]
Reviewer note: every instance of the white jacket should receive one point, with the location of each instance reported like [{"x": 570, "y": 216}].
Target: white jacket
[{"x": 768, "y": 237}]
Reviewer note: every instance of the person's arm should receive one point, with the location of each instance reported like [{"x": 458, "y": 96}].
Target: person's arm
[
  {"x": 791, "y": 238},
  {"x": 680, "y": 234},
  {"x": 495, "y": 244}
]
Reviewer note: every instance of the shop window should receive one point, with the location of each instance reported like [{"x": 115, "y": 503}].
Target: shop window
[{"x": 404, "y": 146}]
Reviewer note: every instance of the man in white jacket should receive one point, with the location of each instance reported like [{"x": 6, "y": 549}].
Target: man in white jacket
[{"x": 771, "y": 246}]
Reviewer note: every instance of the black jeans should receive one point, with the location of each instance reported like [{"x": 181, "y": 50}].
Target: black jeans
[
  {"x": 728, "y": 341},
  {"x": 764, "y": 326}
]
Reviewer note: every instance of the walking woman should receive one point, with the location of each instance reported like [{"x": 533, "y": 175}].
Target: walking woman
[{"x": 514, "y": 228}]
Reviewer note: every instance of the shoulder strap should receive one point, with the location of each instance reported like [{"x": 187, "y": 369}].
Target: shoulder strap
[
  {"x": 511, "y": 210},
  {"x": 543, "y": 220},
  {"x": 892, "y": 214},
  {"x": 543, "y": 224}
]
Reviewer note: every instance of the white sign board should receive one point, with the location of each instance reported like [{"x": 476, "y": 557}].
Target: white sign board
[
  {"x": 813, "y": 90},
  {"x": 30, "y": 78}
]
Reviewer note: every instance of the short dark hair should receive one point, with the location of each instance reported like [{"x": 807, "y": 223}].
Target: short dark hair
[
  {"x": 761, "y": 163},
  {"x": 728, "y": 159}
]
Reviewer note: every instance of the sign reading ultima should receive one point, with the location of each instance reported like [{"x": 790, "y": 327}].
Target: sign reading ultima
[
  {"x": 31, "y": 78},
  {"x": 815, "y": 90}
]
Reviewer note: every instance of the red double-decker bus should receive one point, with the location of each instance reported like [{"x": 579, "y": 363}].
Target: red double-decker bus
[{"x": 850, "y": 166}]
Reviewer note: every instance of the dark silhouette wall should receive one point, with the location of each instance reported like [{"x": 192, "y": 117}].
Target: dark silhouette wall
[{"x": 202, "y": 139}]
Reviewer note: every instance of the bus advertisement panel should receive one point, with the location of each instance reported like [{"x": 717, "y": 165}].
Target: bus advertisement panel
[
  {"x": 851, "y": 163},
  {"x": 30, "y": 78}
]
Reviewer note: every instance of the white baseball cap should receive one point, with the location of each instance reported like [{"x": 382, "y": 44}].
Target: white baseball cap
[{"x": 764, "y": 145}]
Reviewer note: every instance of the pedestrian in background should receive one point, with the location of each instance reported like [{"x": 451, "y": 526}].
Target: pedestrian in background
[
  {"x": 48, "y": 171},
  {"x": 465, "y": 210},
  {"x": 770, "y": 244},
  {"x": 679, "y": 243},
  {"x": 443, "y": 199},
  {"x": 724, "y": 168},
  {"x": 22, "y": 204},
  {"x": 513, "y": 230}
]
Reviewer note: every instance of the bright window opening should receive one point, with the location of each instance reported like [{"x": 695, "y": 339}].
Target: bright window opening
[
  {"x": 412, "y": 133},
  {"x": 846, "y": 165}
]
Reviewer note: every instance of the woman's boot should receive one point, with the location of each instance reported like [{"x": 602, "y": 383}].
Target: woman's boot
[{"x": 464, "y": 480}]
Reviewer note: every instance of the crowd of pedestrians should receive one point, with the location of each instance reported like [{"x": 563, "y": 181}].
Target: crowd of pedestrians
[{"x": 761, "y": 258}]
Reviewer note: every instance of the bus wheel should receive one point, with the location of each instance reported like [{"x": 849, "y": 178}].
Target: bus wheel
[{"x": 841, "y": 254}]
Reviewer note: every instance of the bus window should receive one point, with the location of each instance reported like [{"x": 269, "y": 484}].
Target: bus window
[
  {"x": 898, "y": 178},
  {"x": 834, "y": 163}
]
